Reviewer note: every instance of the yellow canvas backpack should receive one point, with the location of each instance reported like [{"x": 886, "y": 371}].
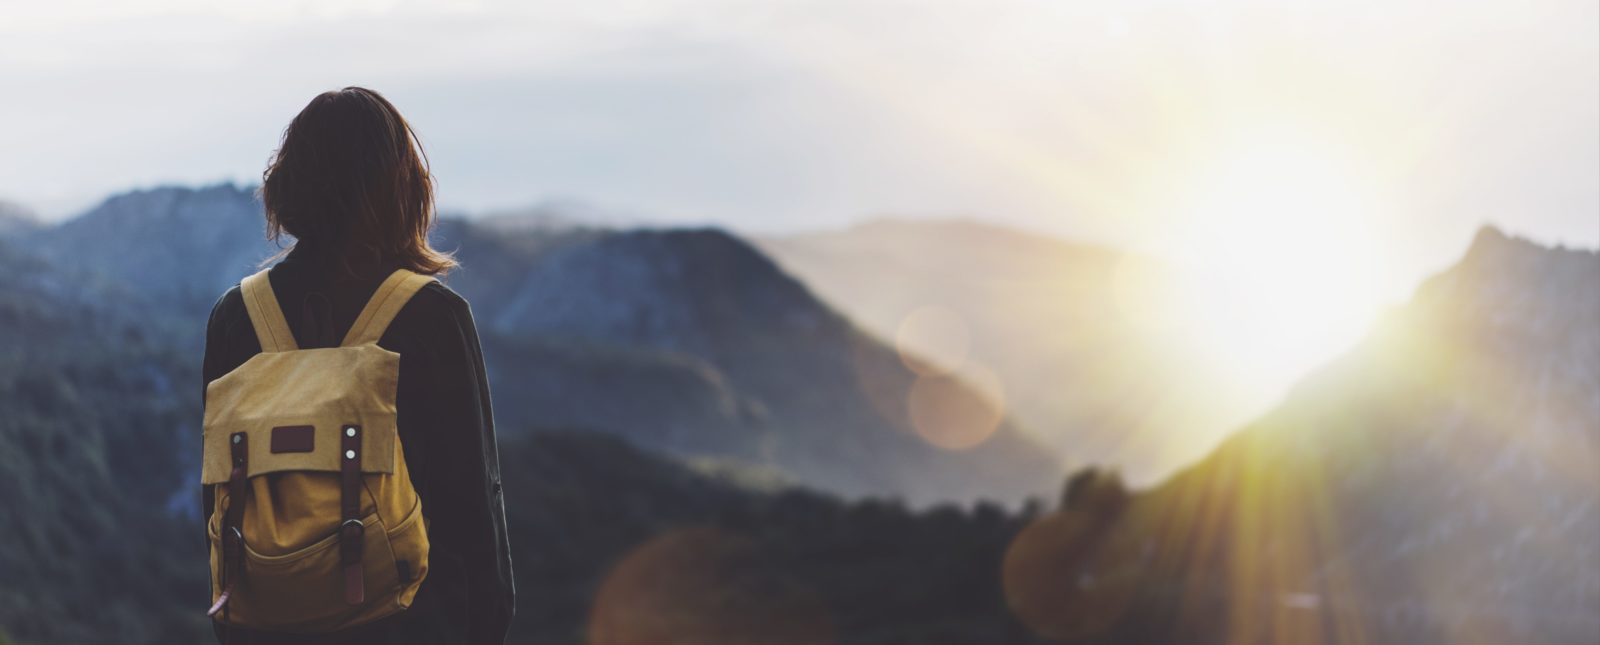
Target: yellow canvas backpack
[{"x": 316, "y": 526}]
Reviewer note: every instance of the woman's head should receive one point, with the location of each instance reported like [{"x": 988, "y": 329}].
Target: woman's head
[{"x": 350, "y": 178}]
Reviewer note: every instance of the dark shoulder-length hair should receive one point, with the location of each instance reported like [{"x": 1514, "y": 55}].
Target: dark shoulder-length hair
[{"x": 350, "y": 178}]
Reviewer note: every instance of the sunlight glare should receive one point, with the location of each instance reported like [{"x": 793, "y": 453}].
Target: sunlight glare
[{"x": 1280, "y": 259}]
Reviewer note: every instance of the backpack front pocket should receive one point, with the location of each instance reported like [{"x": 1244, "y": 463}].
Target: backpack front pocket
[{"x": 303, "y": 590}]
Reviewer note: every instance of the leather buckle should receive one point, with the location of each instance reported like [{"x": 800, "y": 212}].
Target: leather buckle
[
  {"x": 350, "y": 542},
  {"x": 232, "y": 540}
]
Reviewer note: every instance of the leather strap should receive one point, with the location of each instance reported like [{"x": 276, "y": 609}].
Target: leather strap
[
  {"x": 386, "y": 302},
  {"x": 351, "y": 532},
  {"x": 233, "y": 521},
  {"x": 265, "y": 314}
]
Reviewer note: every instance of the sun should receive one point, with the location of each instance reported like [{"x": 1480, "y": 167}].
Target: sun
[{"x": 1278, "y": 258}]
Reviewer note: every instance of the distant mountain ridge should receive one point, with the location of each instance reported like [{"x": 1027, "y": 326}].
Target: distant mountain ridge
[
  {"x": 1050, "y": 317},
  {"x": 15, "y": 218},
  {"x": 689, "y": 341},
  {"x": 179, "y": 246},
  {"x": 802, "y": 368}
]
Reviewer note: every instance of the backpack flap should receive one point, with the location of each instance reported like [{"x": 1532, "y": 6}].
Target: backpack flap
[{"x": 325, "y": 389}]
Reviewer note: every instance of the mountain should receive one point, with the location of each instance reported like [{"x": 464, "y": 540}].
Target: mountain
[
  {"x": 178, "y": 247},
  {"x": 556, "y": 214},
  {"x": 1050, "y": 318},
  {"x": 97, "y": 447},
  {"x": 14, "y": 218},
  {"x": 612, "y": 544},
  {"x": 797, "y": 386},
  {"x": 687, "y": 341},
  {"x": 1439, "y": 484},
  {"x": 96, "y": 456},
  {"x": 96, "y": 473}
]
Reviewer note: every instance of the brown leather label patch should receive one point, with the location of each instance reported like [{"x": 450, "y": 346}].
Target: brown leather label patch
[{"x": 292, "y": 438}]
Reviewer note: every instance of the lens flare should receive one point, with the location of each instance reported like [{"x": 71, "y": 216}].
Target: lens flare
[
  {"x": 1068, "y": 576},
  {"x": 957, "y": 411},
  {"x": 704, "y": 585}
]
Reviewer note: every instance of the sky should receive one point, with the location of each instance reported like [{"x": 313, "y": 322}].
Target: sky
[{"x": 1104, "y": 121}]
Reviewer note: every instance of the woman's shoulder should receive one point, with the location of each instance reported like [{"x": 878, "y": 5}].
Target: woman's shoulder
[
  {"x": 435, "y": 304},
  {"x": 437, "y": 295},
  {"x": 436, "y": 322},
  {"x": 229, "y": 306}
]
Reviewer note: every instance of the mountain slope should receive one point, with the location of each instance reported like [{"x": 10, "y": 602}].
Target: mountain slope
[
  {"x": 802, "y": 389},
  {"x": 1052, "y": 319},
  {"x": 1439, "y": 484},
  {"x": 15, "y": 219},
  {"x": 179, "y": 246},
  {"x": 94, "y": 447}
]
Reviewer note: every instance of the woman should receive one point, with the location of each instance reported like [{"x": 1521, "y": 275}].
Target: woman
[{"x": 351, "y": 186}]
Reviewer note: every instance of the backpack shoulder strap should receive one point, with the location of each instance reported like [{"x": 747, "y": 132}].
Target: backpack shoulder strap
[
  {"x": 265, "y": 315},
  {"x": 390, "y": 297}
]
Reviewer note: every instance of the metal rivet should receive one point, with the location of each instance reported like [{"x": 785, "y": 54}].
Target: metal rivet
[
  {"x": 350, "y": 431},
  {"x": 237, "y": 438},
  {"x": 349, "y": 454}
]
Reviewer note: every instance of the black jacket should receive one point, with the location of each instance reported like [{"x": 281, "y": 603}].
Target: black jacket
[{"x": 446, "y": 430}]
